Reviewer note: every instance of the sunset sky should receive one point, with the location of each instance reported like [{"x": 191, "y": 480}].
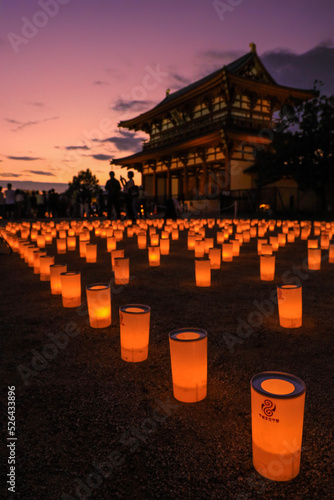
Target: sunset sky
[{"x": 72, "y": 69}]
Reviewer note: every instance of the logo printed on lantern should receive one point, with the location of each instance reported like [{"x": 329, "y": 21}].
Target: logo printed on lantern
[{"x": 268, "y": 407}]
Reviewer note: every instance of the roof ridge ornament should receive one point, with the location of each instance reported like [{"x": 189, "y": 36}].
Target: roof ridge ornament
[{"x": 252, "y": 47}]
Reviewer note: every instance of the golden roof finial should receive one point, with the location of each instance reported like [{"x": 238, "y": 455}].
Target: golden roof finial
[
  {"x": 167, "y": 92},
  {"x": 252, "y": 47}
]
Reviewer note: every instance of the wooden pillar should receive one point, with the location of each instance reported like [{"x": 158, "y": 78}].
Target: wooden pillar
[
  {"x": 168, "y": 181},
  {"x": 203, "y": 185},
  {"x": 184, "y": 160}
]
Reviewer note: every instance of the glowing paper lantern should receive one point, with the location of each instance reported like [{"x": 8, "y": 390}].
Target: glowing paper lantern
[
  {"x": 61, "y": 245},
  {"x": 121, "y": 271},
  {"x": 82, "y": 247},
  {"x": 324, "y": 242},
  {"x": 227, "y": 252},
  {"x": 111, "y": 243},
  {"x": 199, "y": 248},
  {"x": 154, "y": 239},
  {"x": 154, "y": 256},
  {"x": 290, "y": 305},
  {"x": 134, "y": 331},
  {"x": 291, "y": 237},
  {"x": 41, "y": 241},
  {"x": 141, "y": 240},
  {"x": 91, "y": 253},
  {"x": 235, "y": 247},
  {"x": 203, "y": 272},
  {"x": 31, "y": 256},
  {"x": 99, "y": 305},
  {"x": 115, "y": 254},
  {"x": 267, "y": 267},
  {"x": 71, "y": 243},
  {"x": 37, "y": 256},
  {"x": 164, "y": 246},
  {"x": 45, "y": 262},
  {"x": 266, "y": 249},
  {"x": 312, "y": 243},
  {"x": 55, "y": 280},
  {"x": 278, "y": 401},
  {"x": 273, "y": 240},
  {"x": 314, "y": 258},
  {"x": 175, "y": 234},
  {"x": 282, "y": 239},
  {"x": 71, "y": 289},
  {"x": 215, "y": 258},
  {"x": 188, "y": 352},
  {"x": 208, "y": 243}
]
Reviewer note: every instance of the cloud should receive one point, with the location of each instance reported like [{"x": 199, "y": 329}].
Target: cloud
[
  {"x": 102, "y": 157},
  {"x": 101, "y": 82},
  {"x": 9, "y": 174},
  {"x": 126, "y": 141},
  {"x": 301, "y": 70},
  {"x": 22, "y": 125},
  {"x": 23, "y": 158},
  {"x": 124, "y": 105},
  {"x": 39, "y": 172},
  {"x": 72, "y": 148}
]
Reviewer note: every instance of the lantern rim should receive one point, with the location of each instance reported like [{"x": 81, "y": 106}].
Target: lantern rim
[
  {"x": 288, "y": 286},
  {"x": 299, "y": 385},
  {"x": 58, "y": 265},
  {"x": 103, "y": 286},
  {"x": 70, "y": 273},
  {"x": 173, "y": 335},
  {"x": 145, "y": 309}
]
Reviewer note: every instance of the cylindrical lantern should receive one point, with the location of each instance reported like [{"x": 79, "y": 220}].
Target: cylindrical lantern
[
  {"x": 281, "y": 239},
  {"x": 188, "y": 352},
  {"x": 208, "y": 243},
  {"x": 267, "y": 267},
  {"x": 116, "y": 254},
  {"x": 290, "y": 305},
  {"x": 91, "y": 252},
  {"x": 266, "y": 249},
  {"x": 277, "y": 424},
  {"x": 154, "y": 237},
  {"x": 203, "y": 272},
  {"x": 55, "y": 281},
  {"x": 45, "y": 262},
  {"x": 111, "y": 243},
  {"x": 121, "y": 271},
  {"x": 215, "y": 258},
  {"x": 41, "y": 241},
  {"x": 141, "y": 240},
  {"x": 312, "y": 243},
  {"x": 82, "y": 247},
  {"x": 227, "y": 252},
  {"x": 71, "y": 289},
  {"x": 235, "y": 247},
  {"x": 199, "y": 248},
  {"x": 134, "y": 331},
  {"x": 37, "y": 257},
  {"x": 314, "y": 258},
  {"x": 175, "y": 234},
  {"x": 61, "y": 245},
  {"x": 154, "y": 256},
  {"x": 71, "y": 243},
  {"x": 164, "y": 246},
  {"x": 99, "y": 305}
]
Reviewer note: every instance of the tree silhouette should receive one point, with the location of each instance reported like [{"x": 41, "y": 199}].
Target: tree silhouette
[{"x": 84, "y": 180}]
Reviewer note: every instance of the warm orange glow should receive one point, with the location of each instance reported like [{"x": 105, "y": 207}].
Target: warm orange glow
[
  {"x": 91, "y": 253},
  {"x": 267, "y": 267},
  {"x": 115, "y": 254},
  {"x": 55, "y": 281},
  {"x": 141, "y": 240},
  {"x": 314, "y": 258},
  {"x": 290, "y": 305},
  {"x": 312, "y": 243},
  {"x": 215, "y": 258},
  {"x": 175, "y": 234},
  {"x": 61, "y": 245},
  {"x": 71, "y": 243},
  {"x": 37, "y": 256},
  {"x": 227, "y": 252},
  {"x": 154, "y": 238},
  {"x": 208, "y": 243},
  {"x": 41, "y": 241},
  {"x": 277, "y": 424},
  {"x": 121, "y": 270},
  {"x": 45, "y": 262},
  {"x": 331, "y": 254},
  {"x": 203, "y": 272},
  {"x": 273, "y": 240},
  {"x": 71, "y": 289},
  {"x": 154, "y": 256},
  {"x": 188, "y": 352},
  {"x": 282, "y": 239},
  {"x": 164, "y": 246},
  {"x": 266, "y": 249},
  {"x": 111, "y": 243},
  {"x": 82, "y": 247},
  {"x": 99, "y": 305},
  {"x": 134, "y": 331}
]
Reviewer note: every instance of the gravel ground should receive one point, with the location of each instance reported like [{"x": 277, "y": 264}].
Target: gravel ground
[{"x": 90, "y": 425}]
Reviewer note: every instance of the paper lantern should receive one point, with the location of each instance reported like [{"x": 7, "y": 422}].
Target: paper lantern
[
  {"x": 281, "y": 239},
  {"x": 134, "y": 322},
  {"x": 37, "y": 256},
  {"x": 314, "y": 258},
  {"x": 191, "y": 240},
  {"x": 203, "y": 272},
  {"x": 291, "y": 237},
  {"x": 33, "y": 235},
  {"x": 31, "y": 255},
  {"x": 324, "y": 242},
  {"x": 121, "y": 271},
  {"x": 41, "y": 241},
  {"x": 154, "y": 256},
  {"x": 141, "y": 240},
  {"x": 154, "y": 237},
  {"x": 208, "y": 243},
  {"x": 227, "y": 252},
  {"x": 115, "y": 254},
  {"x": 188, "y": 353},
  {"x": 312, "y": 243},
  {"x": 266, "y": 249},
  {"x": 267, "y": 267},
  {"x": 253, "y": 232},
  {"x": 111, "y": 243},
  {"x": 260, "y": 242},
  {"x": 55, "y": 280},
  {"x": 99, "y": 305},
  {"x": 27, "y": 250},
  {"x": 61, "y": 245},
  {"x": 91, "y": 253},
  {"x": 278, "y": 401},
  {"x": 290, "y": 305},
  {"x": 82, "y": 247},
  {"x": 71, "y": 289},
  {"x": 175, "y": 234},
  {"x": 45, "y": 262},
  {"x": 48, "y": 237},
  {"x": 235, "y": 248},
  {"x": 62, "y": 233},
  {"x": 215, "y": 258},
  {"x": 331, "y": 254},
  {"x": 246, "y": 236},
  {"x": 273, "y": 240},
  {"x": 164, "y": 246},
  {"x": 220, "y": 237},
  {"x": 199, "y": 248},
  {"x": 71, "y": 243}
]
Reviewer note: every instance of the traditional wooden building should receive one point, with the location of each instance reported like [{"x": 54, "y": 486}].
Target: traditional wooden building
[{"x": 203, "y": 137}]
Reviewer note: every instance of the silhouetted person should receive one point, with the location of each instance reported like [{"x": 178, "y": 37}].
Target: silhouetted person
[
  {"x": 2, "y": 204},
  {"x": 131, "y": 192},
  {"x": 10, "y": 200},
  {"x": 113, "y": 189}
]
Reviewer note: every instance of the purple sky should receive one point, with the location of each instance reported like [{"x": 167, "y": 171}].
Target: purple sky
[{"x": 72, "y": 69}]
